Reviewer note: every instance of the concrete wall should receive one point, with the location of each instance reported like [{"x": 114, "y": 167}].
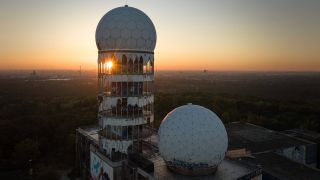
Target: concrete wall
[
  {"x": 304, "y": 154},
  {"x": 99, "y": 168}
]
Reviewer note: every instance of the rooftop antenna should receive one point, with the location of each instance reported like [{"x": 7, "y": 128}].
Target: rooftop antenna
[{"x": 126, "y": 4}]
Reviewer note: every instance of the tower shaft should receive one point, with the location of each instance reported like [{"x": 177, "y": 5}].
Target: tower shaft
[{"x": 125, "y": 102}]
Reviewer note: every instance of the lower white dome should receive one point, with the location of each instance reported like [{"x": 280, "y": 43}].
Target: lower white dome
[{"x": 192, "y": 140}]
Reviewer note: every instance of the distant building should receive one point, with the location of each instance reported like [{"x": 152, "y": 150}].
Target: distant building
[{"x": 33, "y": 73}]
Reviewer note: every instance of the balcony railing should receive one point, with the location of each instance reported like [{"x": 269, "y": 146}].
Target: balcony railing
[
  {"x": 110, "y": 94},
  {"x": 126, "y": 112},
  {"x": 144, "y": 133}
]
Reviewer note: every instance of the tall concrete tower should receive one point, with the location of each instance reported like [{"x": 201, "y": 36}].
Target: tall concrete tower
[{"x": 126, "y": 38}]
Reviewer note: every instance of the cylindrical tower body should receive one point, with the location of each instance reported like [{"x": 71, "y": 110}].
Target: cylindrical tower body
[{"x": 126, "y": 39}]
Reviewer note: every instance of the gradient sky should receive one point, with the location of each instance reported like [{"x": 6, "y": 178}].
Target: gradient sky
[{"x": 192, "y": 35}]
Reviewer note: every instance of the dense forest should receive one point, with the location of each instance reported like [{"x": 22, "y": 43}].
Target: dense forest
[
  {"x": 38, "y": 117},
  {"x": 38, "y": 121}
]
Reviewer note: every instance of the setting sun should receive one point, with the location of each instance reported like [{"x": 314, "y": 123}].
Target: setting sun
[{"x": 109, "y": 65}]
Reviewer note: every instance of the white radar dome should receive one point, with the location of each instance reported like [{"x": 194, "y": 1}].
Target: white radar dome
[
  {"x": 126, "y": 28},
  {"x": 192, "y": 140}
]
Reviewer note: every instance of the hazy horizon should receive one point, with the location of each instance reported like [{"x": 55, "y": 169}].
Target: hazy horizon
[{"x": 172, "y": 70}]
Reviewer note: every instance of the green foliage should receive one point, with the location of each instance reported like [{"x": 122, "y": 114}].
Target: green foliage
[
  {"x": 277, "y": 115},
  {"x": 41, "y": 125}
]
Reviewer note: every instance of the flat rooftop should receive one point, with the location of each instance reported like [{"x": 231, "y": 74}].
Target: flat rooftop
[
  {"x": 258, "y": 139},
  {"x": 283, "y": 168},
  {"x": 228, "y": 169},
  {"x": 91, "y": 132},
  {"x": 310, "y": 135}
]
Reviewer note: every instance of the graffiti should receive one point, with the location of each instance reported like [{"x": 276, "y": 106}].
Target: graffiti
[
  {"x": 100, "y": 170},
  {"x": 103, "y": 175},
  {"x": 96, "y": 165}
]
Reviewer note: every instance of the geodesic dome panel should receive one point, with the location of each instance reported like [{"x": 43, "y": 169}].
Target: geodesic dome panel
[
  {"x": 192, "y": 136},
  {"x": 126, "y": 28}
]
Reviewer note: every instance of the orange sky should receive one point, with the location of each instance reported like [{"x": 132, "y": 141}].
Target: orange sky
[{"x": 209, "y": 34}]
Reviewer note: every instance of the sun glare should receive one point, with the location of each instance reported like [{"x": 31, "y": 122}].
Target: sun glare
[{"x": 109, "y": 65}]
